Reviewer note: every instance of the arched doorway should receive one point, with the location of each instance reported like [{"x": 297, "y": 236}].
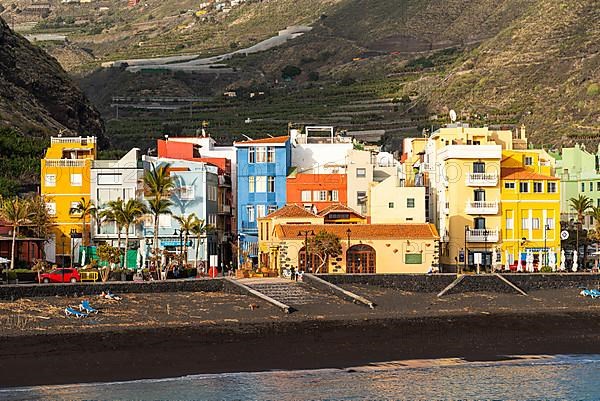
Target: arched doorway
[
  {"x": 313, "y": 262},
  {"x": 360, "y": 259}
]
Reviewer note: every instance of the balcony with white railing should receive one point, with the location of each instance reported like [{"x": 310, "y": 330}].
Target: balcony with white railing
[
  {"x": 65, "y": 162},
  {"x": 483, "y": 235},
  {"x": 79, "y": 140},
  {"x": 482, "y": 179},
  {"x": 482, "y": 207}
]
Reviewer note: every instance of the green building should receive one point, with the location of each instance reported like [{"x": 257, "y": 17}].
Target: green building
[{"x": 579, "y": 172}]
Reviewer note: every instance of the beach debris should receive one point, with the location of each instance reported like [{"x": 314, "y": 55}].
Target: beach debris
[
  {"x": 253, "y": 306},
  {"x": 168, "y": 309},
  {"x": 110, "y": 296}
]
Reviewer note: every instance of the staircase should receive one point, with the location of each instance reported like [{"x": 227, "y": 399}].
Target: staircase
[{"x": 288, "y": 292}]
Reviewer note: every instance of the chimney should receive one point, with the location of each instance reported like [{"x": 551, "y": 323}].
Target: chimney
[{"x": 523, "y": 131}]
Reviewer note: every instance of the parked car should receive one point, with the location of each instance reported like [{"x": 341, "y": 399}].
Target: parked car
[{"x": 66, "y": 275}]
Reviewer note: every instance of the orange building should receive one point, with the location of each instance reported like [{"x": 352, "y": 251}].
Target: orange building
[{"x": 317, "y": 191}]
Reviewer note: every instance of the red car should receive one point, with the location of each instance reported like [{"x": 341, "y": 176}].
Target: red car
[{"x": 66, "y": 275}]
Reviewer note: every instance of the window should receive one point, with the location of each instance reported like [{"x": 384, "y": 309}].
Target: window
[
  {"x": 76, "y": 180},
  {"x": 598, "y": 202},
  {"x": 551, "y": 187},
  {"x": 251, "y": 186},
  {"x": 261, "y": 211},
  {"x": 528, "y": 161},
  {"x": 583, "y": 187},
  {"x": 250, "y": 211},
  {"x": 261, "y": 183},
  {"x": 361, "y": 197},
  {"x": 535, "y": 224},
  {"x": 164, "y": 220},
  {"x": 391, "y": 205},
  {"x": 538, "y": 187},
  {"x": 523, "y": 187},
  {"x": 591, "y": 220},
  {"x": 187, "y": 193},
  {"x": 479, "y": 223},
  {"x": 591, "y": 186},
  {"x": 251, "y": 155},
  {"x": 109, "y": 179},
  {"x": 271, "y": 155},
  {"x": 361, "y": 172},
  {"x": 50, "y": 180},
  {"x": 598, "y": 186},
  {"x": 410, "y": 203},
  {"x": 51, "y": 206},
  {"x": 509, "y": 185},
  {"x": 271, "y": 209},
  {"x": 261, "y": 154},
  {"x": 335, "y": 196},
  {"x": 550, "y": 223},
  {"x": 525, "y": 223},
  {"x": 73, "y": 206},
  {"x": 510, "y": 224},
  {"x": 479, "y": 195},
  {"x": 306, "y": 196},
  {"x": 409, "y": 219},
  {"x": 478, "y": 168},
  {"x": 213, "y": 193},
  {"x": 270, "y": 184},
  {"x": 322, "y": 196}
]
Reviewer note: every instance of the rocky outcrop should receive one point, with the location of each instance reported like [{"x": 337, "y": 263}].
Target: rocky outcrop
[{"x": 37, "y": 96}]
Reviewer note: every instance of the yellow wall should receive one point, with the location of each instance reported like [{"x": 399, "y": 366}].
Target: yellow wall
[
  {"x": 68, "y": 160},
  {"x": 388, "y": 203}
]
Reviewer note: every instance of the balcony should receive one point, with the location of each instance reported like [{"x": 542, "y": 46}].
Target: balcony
[
  {"x": 73, "y": 140},
  {"x": 482, "y": 207},
  {"x": 225, "y": 209},
  {"x": 482, "y": 235},
  {"x": 65, "y": 162},
  {"x": 482, "y": 179}
]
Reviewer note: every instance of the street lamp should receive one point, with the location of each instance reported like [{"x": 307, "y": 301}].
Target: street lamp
[
  {"x": 485, "y": 238},
  {"x": 348, "y": 232},
  {"x": 63, "y": 238},
  {"x": 180, "y": 242},
  {"x": 546, "y": 228},
  {"x": 306, "y": 233},
  {"x": 73, "y": 236}
]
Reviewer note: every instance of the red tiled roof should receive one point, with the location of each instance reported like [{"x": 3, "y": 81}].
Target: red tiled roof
[
  {"x": 274, "y": 140},
  {"x": 339, "y": 207},
  {"x": 291, "y": 211},
  {"x": 362, "y": 231},
  {"x": 524, "y": 174}
]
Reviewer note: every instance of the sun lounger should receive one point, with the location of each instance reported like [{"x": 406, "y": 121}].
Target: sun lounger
[
  {"x": 111, "y": 296},
  {"x": 73, "y": 312},
  {"x": 85, "y": 306},
  {"x": 590, "y": 293}
]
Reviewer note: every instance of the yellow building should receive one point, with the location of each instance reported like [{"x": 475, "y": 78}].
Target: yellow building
[
  {"x": 530, "y": 208},
  {"x": 366, "y": 248},
  {"x": 65, "y": 178}
]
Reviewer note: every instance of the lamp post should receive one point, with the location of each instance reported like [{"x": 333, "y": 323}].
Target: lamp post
[
  {"x": 348, "y": 232},
  {"x": 466, "y": 249},
  {"x": 485, "y": 238},
  {"x": 306, "y": 233},
  {"x": 63, "y": 237},
  {"x": 73, "y": 236}
]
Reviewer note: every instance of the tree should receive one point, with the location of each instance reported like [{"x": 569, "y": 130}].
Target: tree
[
  {"x": 324, "y": 245},
  {"x": 114, "y": 213},
  {"x": 131, "y": 214},
  {"x": 110, "y": 255},
  {"x": 290, "y": 72},
  {"x": 581, "y": 205},
  {"x": 41, "y": 220},
  {"x": 186, "y": 225},
  {"x": 595, "y": 213},
  {"x": 16, "y": 213},
  {"x": 83, "y": 208},
  {"x": 199, "y": 229},
  {"x": 158, "y": 185}
]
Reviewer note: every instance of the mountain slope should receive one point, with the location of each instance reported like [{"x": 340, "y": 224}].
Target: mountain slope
[{"x": 37, "y": 97}]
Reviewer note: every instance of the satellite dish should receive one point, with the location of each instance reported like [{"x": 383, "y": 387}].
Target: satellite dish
[{"x": 452, "y": 115}]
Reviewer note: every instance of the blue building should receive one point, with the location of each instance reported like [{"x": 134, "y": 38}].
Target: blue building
[
  {"x": 262, "y": 168},
  {"x": 196, "y": 191}
]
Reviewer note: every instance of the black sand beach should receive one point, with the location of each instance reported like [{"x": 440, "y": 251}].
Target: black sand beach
[{"x": 142, "y": 337}]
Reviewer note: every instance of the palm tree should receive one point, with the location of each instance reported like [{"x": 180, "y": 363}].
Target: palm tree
[
  {"x": 158, "y": 185},
  {"x": 186, "y": 225},
  {"x": 114, "y": 212},
  {"x": 199, "y": 229},
  {"x": 581, "y": 205},
  {"x": 16, "y": 213},
  {"x": 83, "y": 208},
  {"x": 131, "y": 214}
]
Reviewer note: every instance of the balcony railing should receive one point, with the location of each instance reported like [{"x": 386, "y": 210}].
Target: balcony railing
[
  {"x": 482, "y": 235},
  {"x": 482, "y": 207},
  {"x": 65, "y": 162},
  {"x": 73, "y": 139},
  {"x": 225, "y": 209},
  {"x": 482, "y": 179}
]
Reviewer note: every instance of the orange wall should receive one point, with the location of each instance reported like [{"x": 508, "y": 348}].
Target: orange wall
[
  {"x": 185, "y": 151},
  {"x": 317, "y": 182}
]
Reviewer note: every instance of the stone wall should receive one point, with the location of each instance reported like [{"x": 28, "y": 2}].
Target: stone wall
[
  {"x": 404, "y": 282},
  {"x": 532, "y": 282},
  {"x": 79, "y": 289}
]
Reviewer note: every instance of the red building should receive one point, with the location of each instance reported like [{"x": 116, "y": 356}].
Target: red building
[
  {"x": 27, "y": 249},
  {"x": 317, "y": 191}
]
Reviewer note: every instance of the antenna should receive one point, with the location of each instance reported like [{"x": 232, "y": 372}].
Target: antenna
[
  {"x": 452, "y": 115},
  {"x": 270, "y": 136},
  {"x": 247, "y": 137}
]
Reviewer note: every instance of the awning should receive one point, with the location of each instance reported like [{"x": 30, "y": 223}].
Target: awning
[{"x": 174, "y": 243}]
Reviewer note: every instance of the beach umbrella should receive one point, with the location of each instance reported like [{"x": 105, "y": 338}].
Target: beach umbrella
[
  {"x": 562, "y": 260},
  {"x": 506, "y": 261},
  {"x": 574, "y": 268},
  {"x": 552, "y": 260},
  {"x": 83, "y": 256}
]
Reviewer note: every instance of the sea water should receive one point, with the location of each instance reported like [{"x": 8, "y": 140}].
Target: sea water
[{"x": 539, "y": 377}]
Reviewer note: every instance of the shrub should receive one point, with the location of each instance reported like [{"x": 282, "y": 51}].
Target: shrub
[
  {"x": 290, "y": 71},
  {"x": 593, "y": 90},
  {"x": 313, "y": 76}
]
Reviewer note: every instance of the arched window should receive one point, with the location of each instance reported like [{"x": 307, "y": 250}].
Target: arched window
[
  {"x": 313, "y": 262},
  {"x": 360, "y": 259}
]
